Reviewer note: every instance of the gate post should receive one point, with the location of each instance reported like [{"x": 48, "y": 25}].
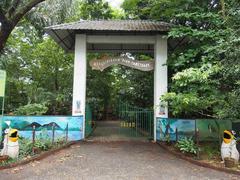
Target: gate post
[
  {"x": 79, "y": 82},
  {"x": 160, "y": 79}
]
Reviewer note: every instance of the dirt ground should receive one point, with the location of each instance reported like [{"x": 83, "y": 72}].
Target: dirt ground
[{"x": 110, "y": 161}]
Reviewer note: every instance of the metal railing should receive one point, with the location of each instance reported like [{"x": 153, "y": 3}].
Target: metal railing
[
  {"x": 89, "y": 123},
  {"x": 139, "y": 120}
]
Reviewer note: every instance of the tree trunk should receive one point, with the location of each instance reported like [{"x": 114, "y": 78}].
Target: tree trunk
[
  {"x": 10, "y": 16},
  {"x": 223, "y": 8},
  {"x": 5, "y": 32}
]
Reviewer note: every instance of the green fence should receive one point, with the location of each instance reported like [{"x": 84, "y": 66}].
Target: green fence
[
  {"x": 89, "y": 124},
  {"x": 140, "y": 120}
]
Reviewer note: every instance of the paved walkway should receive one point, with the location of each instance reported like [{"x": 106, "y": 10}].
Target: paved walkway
[
  {"x": 112, "y": 161},
  {"x": 108, "y": 131}
]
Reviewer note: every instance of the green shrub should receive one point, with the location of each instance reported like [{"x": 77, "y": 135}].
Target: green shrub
[
  {"x": 187, "y": 145},
  {"x": 31, "y": 109},
  {"x": 25, "y": 146},
  {"x": 43, "y": 145},
  {"x": 168, "y": 138},
  {"x": 212, "y": 150}
]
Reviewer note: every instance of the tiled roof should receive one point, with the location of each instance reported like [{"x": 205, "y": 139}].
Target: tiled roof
[
  {"x": 64, "y": 34},
  {"x": 115, "y": 25}
]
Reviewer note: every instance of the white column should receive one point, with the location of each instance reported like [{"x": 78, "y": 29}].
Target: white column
[
  {"x": 160, "y": 78},
  {"x": 79, "y": 82}
]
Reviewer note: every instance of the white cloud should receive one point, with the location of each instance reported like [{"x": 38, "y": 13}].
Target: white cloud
[{"x": 115, "y": 3}]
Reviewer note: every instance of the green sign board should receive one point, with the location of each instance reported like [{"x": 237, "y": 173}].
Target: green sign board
[{"x": 2, "y": 82}]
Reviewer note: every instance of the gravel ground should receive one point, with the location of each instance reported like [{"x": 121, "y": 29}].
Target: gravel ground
[{"x": 110, "y": 161}]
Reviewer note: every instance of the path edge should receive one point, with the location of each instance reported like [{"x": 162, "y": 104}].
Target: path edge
[
  {"x": 202, "y": 164},
  {"x": 39, "y": 156}
]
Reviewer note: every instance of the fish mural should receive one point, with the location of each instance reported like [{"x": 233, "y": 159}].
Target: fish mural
[{"x": 70, "y": 125}]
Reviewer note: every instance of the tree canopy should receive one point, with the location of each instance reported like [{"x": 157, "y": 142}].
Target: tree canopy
[{"x": 204, "y": 65}]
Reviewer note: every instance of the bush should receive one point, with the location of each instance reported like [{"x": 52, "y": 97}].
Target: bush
[
  {"x": 187, "y": 145},
  {"x": 26, "y": 146},
  {"x": 31, "y": 109},
  {"x": 212, "y": 150}
]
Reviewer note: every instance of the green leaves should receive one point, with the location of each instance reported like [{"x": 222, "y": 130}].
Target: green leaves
[
  {"x": 31, "y": 109},
  {"x": 205, "y": 66},
  {"x": 187, "y": 145},
  {"x": 194, "y": 92},
  {"x": 97, "y": 9},
  {"x": 195, "y": 75}
]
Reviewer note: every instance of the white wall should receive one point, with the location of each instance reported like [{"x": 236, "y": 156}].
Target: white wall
[
  {"x": 80, "y": 74},
  {"x": 160, "y": 78}
]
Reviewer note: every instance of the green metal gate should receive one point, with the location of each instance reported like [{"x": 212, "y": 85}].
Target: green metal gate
[
  {"x": 89, "y": 123},
  {"x": 135, "y": 121}
]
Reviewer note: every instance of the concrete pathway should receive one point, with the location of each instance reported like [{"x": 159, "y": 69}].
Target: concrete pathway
[
  {"x": 108, "y": 131},
  {"x": 112, "y": 161}
]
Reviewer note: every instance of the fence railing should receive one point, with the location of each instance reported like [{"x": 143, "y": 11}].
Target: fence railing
[
  {"x": 169, "y": 129},
  {"x": 139, "y": 119},
  {"x": 89, "y": 123}
]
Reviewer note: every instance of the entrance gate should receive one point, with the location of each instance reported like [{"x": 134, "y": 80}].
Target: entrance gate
[
  {"x": 137, "y": 121},
  {"x": 117, "y": 36},
  {"x": 130, "y": 123}
]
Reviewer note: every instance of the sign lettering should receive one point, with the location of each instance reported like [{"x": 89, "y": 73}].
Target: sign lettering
[{"x": 101, "y": 64}]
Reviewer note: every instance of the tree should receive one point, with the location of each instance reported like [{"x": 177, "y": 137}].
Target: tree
[
  {"x": 11, "y": 12},
  {"x": 91, "y": 10},
  {"x": 61, "y": 11},
  {"x": 204, "y": 63},
  {"x": 39, "y": 71}
]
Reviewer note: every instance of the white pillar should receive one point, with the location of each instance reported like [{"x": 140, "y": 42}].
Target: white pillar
[
  {"x": 79, "y": 82},
  {"x": 160, "y": 78}
]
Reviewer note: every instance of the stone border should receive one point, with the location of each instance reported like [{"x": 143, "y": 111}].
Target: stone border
[
  {"x": 39, "y": 156},
  {"x": 202, "y": 164}
]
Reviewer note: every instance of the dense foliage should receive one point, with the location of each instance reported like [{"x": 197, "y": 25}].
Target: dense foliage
[{"x": 204, "y": 66}]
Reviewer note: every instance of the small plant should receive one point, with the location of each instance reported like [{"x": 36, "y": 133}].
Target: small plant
[
  {"x": 187, "y": 145},
  {"x": 211, "y": 150},
  {"x": 168, "y": 139},
  {"x": 43, "y": 145},
  {"x": 25, "y": 147}
]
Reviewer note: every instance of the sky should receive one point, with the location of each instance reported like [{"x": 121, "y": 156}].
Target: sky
[{"x": 115, "y": 3}]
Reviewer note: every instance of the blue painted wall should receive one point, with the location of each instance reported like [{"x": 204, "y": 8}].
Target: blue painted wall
[
  {"x": 44, "y": 128},
  {"x": 186, "y": 128},
  {"x": 208, "y": 130}
]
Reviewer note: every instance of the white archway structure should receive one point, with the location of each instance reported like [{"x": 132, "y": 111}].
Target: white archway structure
[{"x": 114, "y": 36}]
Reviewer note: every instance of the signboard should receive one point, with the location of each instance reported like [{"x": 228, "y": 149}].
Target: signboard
[
  {"x": 78, "y": 107},
  {"x": 2, "y": 82},
  {"x": 101, "y": 64}
]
